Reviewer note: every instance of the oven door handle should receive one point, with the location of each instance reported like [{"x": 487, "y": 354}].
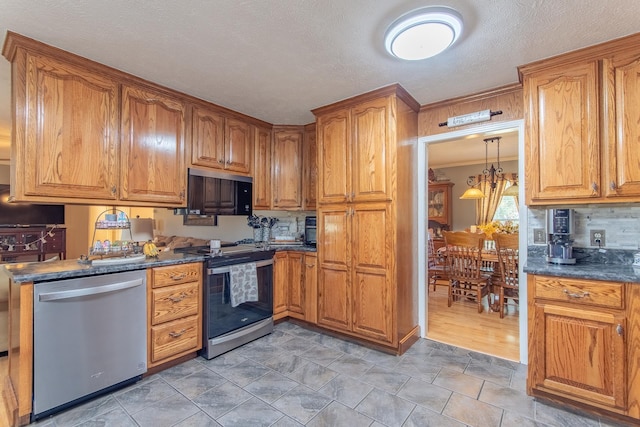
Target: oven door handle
[{"x": 227, "y": 268}]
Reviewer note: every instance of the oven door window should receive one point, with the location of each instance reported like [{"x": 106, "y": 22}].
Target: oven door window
[{"x": 221, "y": 318}]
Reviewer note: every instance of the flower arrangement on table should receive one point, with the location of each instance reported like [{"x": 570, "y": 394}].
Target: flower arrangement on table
[{"x": 507, "y": 227}]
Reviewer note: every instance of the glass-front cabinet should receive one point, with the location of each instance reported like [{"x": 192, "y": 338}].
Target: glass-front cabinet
[{"x": 439, "y": 207}]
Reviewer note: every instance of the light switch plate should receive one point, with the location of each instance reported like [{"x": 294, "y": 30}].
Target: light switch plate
[{"x": 538, "y": 236}]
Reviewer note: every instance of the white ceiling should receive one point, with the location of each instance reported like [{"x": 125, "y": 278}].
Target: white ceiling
[
  {"x": 277, "y": 59},
  {"x": 472, "y": 150}
]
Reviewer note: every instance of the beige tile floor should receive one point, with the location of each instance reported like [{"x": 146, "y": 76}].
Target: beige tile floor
[{"x": 296, "y": 377}]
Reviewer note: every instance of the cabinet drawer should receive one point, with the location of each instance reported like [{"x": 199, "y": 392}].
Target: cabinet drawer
[
  {"x": 174, "y": 302},
  {"x": 173, "y": 338},
  {"x": 587, "y": 292},
  {"x": 176, "y": 274}
]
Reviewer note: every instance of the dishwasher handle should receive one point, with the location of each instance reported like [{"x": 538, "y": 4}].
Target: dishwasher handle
[{"x": 74, "y": 293}]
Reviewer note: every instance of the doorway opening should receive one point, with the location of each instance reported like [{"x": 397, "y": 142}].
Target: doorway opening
[{"x": 448, "y": 161}]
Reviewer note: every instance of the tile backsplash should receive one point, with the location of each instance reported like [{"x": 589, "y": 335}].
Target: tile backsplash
[{"x": 621, "y": 223}]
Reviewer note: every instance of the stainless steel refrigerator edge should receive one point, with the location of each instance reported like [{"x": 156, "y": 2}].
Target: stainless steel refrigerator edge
[{"x": 90, "y": 336}]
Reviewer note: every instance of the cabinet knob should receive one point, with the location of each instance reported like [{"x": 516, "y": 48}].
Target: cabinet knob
[
  {"x": 594, "y": 188},
  {"x": 613, "y": 185},
  {"x": 113, "y": 189},
  {"x": 220, "y": 161},
  {"x": 619, "y": 330}
]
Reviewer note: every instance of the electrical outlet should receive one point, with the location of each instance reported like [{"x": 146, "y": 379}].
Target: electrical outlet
[
  {"x": 597, "y": 238},
  {"x": 539, "y": 237}
]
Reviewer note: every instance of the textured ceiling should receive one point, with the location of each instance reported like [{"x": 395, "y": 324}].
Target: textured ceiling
[{"x": 277, "y": 59}]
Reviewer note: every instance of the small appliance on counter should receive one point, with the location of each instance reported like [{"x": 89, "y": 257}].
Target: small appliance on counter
[
  {"x": 310, "y": 231},
  {"x": 560, "y": 228}
]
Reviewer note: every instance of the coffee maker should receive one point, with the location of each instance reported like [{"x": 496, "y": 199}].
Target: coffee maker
[{"x": 560, "y": 227}]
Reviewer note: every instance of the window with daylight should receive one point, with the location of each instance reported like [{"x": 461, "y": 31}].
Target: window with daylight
[{"x": 507, "y": 210}]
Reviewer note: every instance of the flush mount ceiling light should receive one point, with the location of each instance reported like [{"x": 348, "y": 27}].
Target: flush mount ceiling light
[{"x": 423, "y": 33}]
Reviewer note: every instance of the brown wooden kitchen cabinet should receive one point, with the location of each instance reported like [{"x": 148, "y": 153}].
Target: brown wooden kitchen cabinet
[
  {"x": 356, "y": 290},
  {"x": 355, "y": 162},
  {"x": 280, "y": 285},
  {"x": 366, "y": 208},
  {"x": 295, "y": 289},
  {"x": 310, "y": 162},
  {"x": 152, "y": 147},
  {"x": 286, "y": 180},
  {"x": 87, "y": 133},
  {"x": 262, "y": 168},
  {"x": 582, "y": 144},
  {"x": 175, "y": 312},
  {"x": 81, "y": 135},
  {"x": 65, "y": 128},
  {"x": 582, "y": 342},
  {"x": 220, "y": 142}
]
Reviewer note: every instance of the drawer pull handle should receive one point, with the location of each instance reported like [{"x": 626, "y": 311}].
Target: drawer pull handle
[
  {"x": 178, "y": 298},
  {"x": 575, "y": 294},
  {"x": 179, "y": 276},
  {"x": 177, "y": 334}
]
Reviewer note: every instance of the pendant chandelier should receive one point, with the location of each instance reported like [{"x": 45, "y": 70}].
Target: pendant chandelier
[{"x": 490, "y": 174}]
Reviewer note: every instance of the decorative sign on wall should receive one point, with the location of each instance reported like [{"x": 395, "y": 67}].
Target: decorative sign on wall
[{"x": 465, "y": 119}]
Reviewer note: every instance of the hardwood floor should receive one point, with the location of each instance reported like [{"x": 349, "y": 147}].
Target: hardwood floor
[
  {"x": 462, "y": 326},
  {"x": 4, "y": 372}
]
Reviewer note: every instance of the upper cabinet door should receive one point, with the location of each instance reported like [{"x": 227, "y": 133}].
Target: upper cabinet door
[
  {"x": 70, "y": 132},
  {"x": 310, "y": 167},
  {"x": 373, "y": 158},
  {"x": 622, "y": 139},
  {"x": 238, "y": 146},
  {"x": 262, "y": 168},
  {"x": 153, "y": 138},
  {"x": 207, "y": 143},
  {"x": 563, "y": 133},
  {"x": 334, "y": 157},
  {"x": 287, "y": 169}
]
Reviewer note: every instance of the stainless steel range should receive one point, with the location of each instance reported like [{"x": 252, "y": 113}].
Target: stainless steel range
[{"x": 238, "y": 297}]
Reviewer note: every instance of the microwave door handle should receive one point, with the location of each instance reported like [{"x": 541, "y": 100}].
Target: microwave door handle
[{"x": 74, "y": 293}]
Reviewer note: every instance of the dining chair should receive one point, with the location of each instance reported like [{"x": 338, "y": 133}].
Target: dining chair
[
  {"x": 508, "y": 277},
  {"x": 464, "y": 266},
  {"x": 437, "y": 273}
]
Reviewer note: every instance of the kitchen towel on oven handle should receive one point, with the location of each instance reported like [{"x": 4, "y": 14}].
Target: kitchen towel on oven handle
[{"x": 243, "y": 283}]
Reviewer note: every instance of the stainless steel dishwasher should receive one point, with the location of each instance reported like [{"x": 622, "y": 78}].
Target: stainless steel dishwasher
[{"x": 89, "y": 336}]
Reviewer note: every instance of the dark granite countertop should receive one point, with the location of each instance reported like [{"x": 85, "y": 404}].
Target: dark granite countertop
[
  {"x": 45, "y": 271},
  {"x": 594, "y": 271}
]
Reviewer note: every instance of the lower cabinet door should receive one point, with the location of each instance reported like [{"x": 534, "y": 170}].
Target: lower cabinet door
[
  {"x": 297, "y": 292},
  {"x": 334, "y": 299},
  {"x": 580, "y": 354}
]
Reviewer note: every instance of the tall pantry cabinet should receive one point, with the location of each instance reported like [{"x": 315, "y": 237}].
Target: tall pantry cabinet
[{"x": 366, "y": 209}]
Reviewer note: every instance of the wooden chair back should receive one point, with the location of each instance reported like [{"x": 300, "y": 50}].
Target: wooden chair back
[
  {"x": 508, "y": 258},
  {"x": 464, "y": 255}
]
